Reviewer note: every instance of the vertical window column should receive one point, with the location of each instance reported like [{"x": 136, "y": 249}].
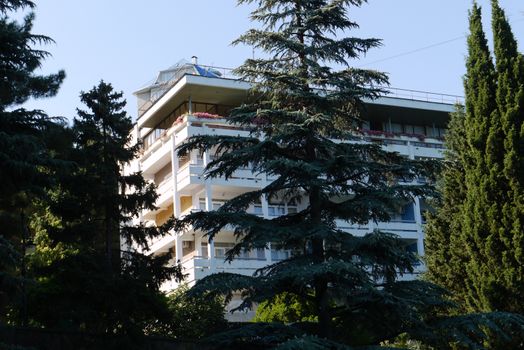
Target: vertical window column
[
  {"x": 174, "y": 171},
  {"x": 418, "y": 220},
  {"x": 265, "y": 212},
  {"x": 209, "y": 207},
  {"x": 178, "y": 248}
]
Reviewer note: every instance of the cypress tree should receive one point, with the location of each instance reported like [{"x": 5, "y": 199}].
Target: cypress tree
[
  {"x": 445, "y": 254},
  {"x": 510, "y": 108},
  {"x": 298, "y": 107},
  {"x": 478, "y": 228},
  {"x": 453, "y": 237},
  {"x": 482, "y": 167}
]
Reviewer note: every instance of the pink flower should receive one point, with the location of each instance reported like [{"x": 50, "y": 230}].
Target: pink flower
[{"x": 205, "y": 115}]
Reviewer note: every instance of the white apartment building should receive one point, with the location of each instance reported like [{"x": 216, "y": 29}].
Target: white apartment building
[{"x": 189, "y": 99}]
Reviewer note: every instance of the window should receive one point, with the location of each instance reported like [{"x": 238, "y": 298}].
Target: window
[
  {"x": 216, "y": 204},
  {"x": 222, "y": 248},
  {"x": 276, "y": 210},
  {"x": 395, "y": 127},
  {"x": 204, "y": 249},
  {"x": 244, "y": 254},
  {"x": 408, "y": 213},
  {"x": 277, "y": 254},
  {"x": 420, "y": 130},
  {"x": 257, "y": 209},
  {"x": 261, "y": 254}
]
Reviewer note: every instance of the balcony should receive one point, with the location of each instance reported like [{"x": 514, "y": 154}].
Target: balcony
[
  {"x": 197, "y": 267},
  {"x": 191, "y": 175},
  {"x": 408, "y": 144}
]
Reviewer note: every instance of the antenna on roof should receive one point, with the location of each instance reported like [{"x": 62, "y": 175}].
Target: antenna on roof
[{"x": 194, "y": 59}]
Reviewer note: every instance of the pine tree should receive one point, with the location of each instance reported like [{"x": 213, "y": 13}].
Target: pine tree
[
  {"x": 299, "y": 107},
  {"x": 24, "y": 160},
  {"x": 94, "y": 285}
]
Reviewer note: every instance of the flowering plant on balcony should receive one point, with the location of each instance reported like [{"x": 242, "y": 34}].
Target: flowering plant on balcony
[
  {"x": 378, "y": 133},
  {"x": 205, "y": 115},
  {"x": 420, "y": 137},
  {"x": 200, "y": 115},
  {"x": 381, "y": 133}
]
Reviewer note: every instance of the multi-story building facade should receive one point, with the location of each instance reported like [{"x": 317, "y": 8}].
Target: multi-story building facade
[{"x": 189, "y": 99}]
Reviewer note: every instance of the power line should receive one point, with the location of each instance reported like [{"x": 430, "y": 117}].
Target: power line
[
  {"x": 415, "y": 51},
  {"x": 423, "y": 48}
]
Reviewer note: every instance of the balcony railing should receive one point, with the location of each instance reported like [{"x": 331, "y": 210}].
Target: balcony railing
[
  {"x": 424, "y": 96},
  {"x": 402, "y": 139}
]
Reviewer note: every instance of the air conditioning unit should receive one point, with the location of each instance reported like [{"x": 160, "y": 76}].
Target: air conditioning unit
[{"x": 186, "y": 244}]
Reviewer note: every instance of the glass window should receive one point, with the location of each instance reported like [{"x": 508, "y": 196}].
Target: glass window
[
  {"x": 222, "y": 248},
  {"x": 279, "y": 254},
  {"x": 244, "y": 254},
  {"x": 420, "y": 130},
  {"x": 261, "y": 254},
  {"x": 408, "y": 129},
  {"x": 257, "y": 209},
  {"x": 276, "y": 210},
  {"x": 408, "y": 213},
  {"x": 204, "y": 249},
  {"x": 395, "y": 127},
  {"x": 431, "y": 131}
]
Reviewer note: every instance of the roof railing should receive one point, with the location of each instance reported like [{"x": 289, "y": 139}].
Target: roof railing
[{"x": 414, "y": 95}]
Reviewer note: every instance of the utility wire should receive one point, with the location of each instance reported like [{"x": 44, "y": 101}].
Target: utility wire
[
  {"x": 414, "y": 51},
  {"x": 422, "y": 48}
]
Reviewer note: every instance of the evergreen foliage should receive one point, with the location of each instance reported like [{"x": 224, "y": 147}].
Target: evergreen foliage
[
  {"x": 285, "y": 308},
  {"x": 86, "y": 281},
  {"x": 24, "y": 162},
  {"x": 299, "y": 109},
  {"x": 444, "y": 249},
  {"x": 191, "y": 318},
  {"x": 475, "y": 241}
]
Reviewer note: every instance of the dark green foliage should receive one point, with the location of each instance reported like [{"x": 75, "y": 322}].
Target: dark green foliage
[
  {"x": 475, "y": 241},
  {"x": 77, "y": 293},
  {"x": 86, "y": 281},
  {"x": 191, "y": 317},
  {"x": 106, "y": 199},
  {"x": 285, "y": 308},
  {"x": 445, "y": 251},
  {"x": 255, "y": 336},
  {"x": 13, "y": 5},
  {"x": 24, "y": 160}
]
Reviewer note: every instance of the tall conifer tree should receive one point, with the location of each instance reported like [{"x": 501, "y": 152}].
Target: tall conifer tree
[
  {"x": 298, "y": 107},
  {"x": 481, "y": 211},
  {"x": 24, "y": 160},
  {"x": 485, "y": 219},
  {"x": 451, "y": 238},
  {"x": 444, "y": 245},
  {"x": 96, "y": 285}
]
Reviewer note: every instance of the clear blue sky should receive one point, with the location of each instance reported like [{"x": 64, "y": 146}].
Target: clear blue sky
[{"x": 125, "y": 42}]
